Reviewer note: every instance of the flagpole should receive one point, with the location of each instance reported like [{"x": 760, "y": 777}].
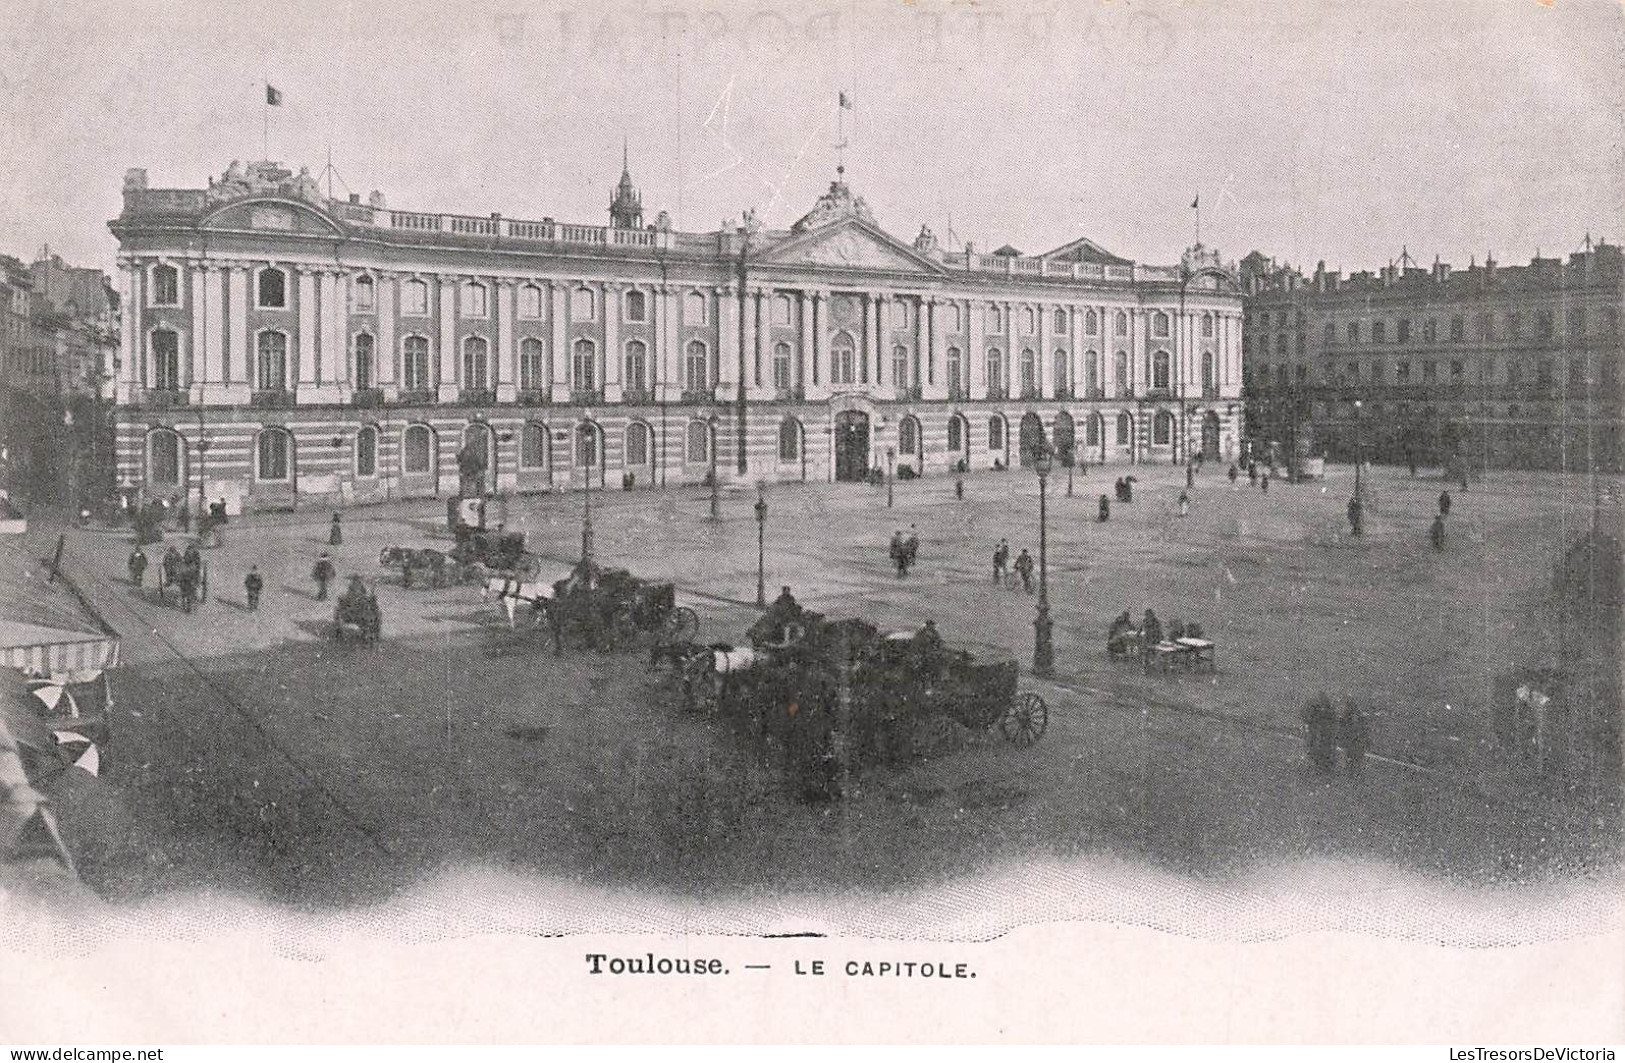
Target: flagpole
[{"x": 265, "y": 137}]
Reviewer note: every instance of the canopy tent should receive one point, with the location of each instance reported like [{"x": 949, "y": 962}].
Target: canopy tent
[{"x": 45, "y": 628}]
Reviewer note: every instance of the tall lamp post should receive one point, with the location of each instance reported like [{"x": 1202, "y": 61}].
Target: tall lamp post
[
  {"x": 590, "y": 442},
  {"x": 891, "y": 467},
  {"x": 716, "y": 507},
  {"x": 1359, "y": 452},
  {"x": 1043, "y": 627},
  {"x": 761, "y": 549}
]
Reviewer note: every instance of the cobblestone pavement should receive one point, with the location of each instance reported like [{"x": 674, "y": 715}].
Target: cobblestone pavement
[{"x": 258, "y": 754}]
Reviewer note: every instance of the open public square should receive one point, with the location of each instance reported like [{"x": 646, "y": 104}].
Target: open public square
[{"x": 257, "y": 754}]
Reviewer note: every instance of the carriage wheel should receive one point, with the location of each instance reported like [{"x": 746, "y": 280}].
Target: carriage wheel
[
  {"x": 1026, "y": 720},
  {"x": 683, "y": 625}
]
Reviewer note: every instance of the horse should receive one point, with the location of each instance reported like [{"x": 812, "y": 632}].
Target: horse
[
  {"x": 511, "y": 590},
  {"x": 410, "y": 559}
]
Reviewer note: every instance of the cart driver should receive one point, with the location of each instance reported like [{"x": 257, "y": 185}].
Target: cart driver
[{"x": 779, "y": 623}]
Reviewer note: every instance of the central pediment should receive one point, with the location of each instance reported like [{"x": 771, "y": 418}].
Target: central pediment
[{"x": 849, "y": 244}]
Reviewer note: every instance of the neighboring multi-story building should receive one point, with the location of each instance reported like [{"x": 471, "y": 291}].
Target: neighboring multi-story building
[
  {"x": 58, "y": 345},
  {"x": 1493, "y": 366},
  {"x": 281, "y": 346}
]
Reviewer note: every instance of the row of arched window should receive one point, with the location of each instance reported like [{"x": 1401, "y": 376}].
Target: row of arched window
[{"x": 274, "y": 448}]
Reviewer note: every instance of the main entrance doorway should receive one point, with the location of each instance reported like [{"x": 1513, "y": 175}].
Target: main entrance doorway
[
  {"x": 1210, "y": 436},
  {"x": 851, "y": 446}
]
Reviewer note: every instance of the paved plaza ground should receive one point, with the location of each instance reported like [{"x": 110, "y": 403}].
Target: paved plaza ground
[{"x": 258, "y": 755}]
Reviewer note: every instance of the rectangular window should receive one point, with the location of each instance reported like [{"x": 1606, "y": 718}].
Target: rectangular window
[
  {"x": 637, "y": 309},
  {"x": 165, "y": 286},
  {"x": 1354, "y": 332},
  {"x": 1404, "y": 330},
  {"x": 1402, "y": 373},
  {"x": 1430, "y": 372},
  {"x": 1458, "y": 329},
  {"x": 1379, "y": 332},
  {"x": 533, "y": 446},
  {"x": 415, "y": 297},
  {"x": 417, "y": 450},
  {"x": 415, "y": 363}
]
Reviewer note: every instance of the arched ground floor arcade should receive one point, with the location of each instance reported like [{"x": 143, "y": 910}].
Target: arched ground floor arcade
[{"x": 328, "y": 456}]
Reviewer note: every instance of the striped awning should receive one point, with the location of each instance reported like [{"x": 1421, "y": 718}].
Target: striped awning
[{"x": 42, "y": 650}]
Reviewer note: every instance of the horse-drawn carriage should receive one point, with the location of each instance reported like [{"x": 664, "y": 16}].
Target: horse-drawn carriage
[
  {"x": 489, "y": 551},
  {"x": 606, "y": 608},
  {"x": 890, "y": 697},
  {"x": 357, "y": 616}
]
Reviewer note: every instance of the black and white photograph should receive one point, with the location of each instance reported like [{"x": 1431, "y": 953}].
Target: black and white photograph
[{"x": 1081, "y": 521}]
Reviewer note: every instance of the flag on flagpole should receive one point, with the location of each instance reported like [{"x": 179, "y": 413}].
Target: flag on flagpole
[
  {"x": 273, "y": 96},
  {"x": 846, "y": 101}
]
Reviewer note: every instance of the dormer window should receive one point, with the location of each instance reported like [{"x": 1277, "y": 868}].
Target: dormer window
[
  {"x": 166, "y": 287},
  {"x": 272, "y": 289}
]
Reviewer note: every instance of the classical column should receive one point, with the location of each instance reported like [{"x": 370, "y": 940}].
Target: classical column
[
  {"x": 507, "y": 374},
  {"x": 129, "y": 361},
  {"x": 727, "y": 319},
  {"x": 237, "y": 360},
  {"x": 866, "y": 339},
  {"x": 214, "y": 327},
  {"x": 660, "y": 375},
  {"x": 752, "y": 353},
  {"x": 308, "y": 353},
  {"x": 332, "y": 370},
  {"x": 449, "y": 355},
  {"x": 1043, "y": 371},
  {"x": 610, "y": 299},
  {"x": 818, "y": 350},
  {"x": 560, "y": 356},
  {"x": 976, "y": 351},
  {"x": 804, "y": 312},
  {"x": 385, "y": 355}
]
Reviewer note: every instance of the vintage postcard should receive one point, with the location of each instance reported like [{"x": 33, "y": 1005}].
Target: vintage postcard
[{"x": 763, "y": 520}]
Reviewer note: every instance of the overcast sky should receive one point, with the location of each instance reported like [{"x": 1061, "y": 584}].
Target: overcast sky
[{"x": 1311, "y": 130}]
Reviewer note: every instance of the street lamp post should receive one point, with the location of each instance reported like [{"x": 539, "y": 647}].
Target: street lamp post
[
  {"x": 1359, "y": 451},
  {"x": 716, "y": 508},
  {"x": 1043, "y": 628},
  {"x": 891, "y": 472},
  {"x": 761, "y": 549},
  {"x": 586, "y": 498}
]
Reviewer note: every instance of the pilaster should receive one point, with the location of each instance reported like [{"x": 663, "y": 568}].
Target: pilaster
[
  {"x": 559, "y": 355},
  {"x": 507, "y": 369},
  {"x": 610, "y": 300}
]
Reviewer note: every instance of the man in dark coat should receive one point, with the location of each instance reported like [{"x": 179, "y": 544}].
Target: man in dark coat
[
  {"x": 1001, "y": 560},
  {"x": 1265, "y": 483},
  {"x": 254, "y": 585},
  {"x": 335, "y": 534},
  {"x": 138, "y": 566},
  {"x": 1150, "y": 636},
  {"x": 171, "y": 569},
  {"x": 1233, "y": 472},
  {"x": 1444, "y": 503},
  {"x": 1024, "y": 569},
  {"x": 1190, "y": 476},
  {"x": 1356, "y": 517},
  {"x": 895, "y": 552},
  {"x": 323, "y": 574},
  {"x": 911, "y": 548},
  {"x": 1105, "y": 509},
  {"x": 959, "y": 487},
  {"x": 1437, "y": 533}
]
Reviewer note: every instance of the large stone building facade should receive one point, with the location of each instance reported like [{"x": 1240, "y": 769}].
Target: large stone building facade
[
  {"x": 1491, "y": 366},
  {"x": 283, "y": 347}
]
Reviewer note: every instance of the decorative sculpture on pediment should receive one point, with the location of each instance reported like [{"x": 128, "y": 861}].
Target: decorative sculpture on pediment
[
  {"x": 926, "y": 241},
  {"x": 832, "y": 206}
]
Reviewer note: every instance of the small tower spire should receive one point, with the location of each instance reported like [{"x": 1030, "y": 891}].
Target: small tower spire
[{"x": 626, "y": 206}]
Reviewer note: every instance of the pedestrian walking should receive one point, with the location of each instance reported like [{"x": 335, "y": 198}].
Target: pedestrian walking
[
  {"x": 185, "y": 518},
  {"x": 959, "y": 487},
  {"x": 1356, "y": 517},
  {"x": 1265, "y": 483},
  {"x": 911, "y": 548},
  {"x": 1184, "y": 503},
  {"x": 1105, "y": 509},
  {"x": 323, "y": 574},
  {"x": 895, "y": 552},
  {"x": 1354, "y": 736},
  {"x": 1233, "y": 474},
  {"x": 138, "y": 566},
  {"x": 170, "y": 573},
  {"x": 335, "y": 534},
  {"x": 1444, "y": 503},
  {"x": 253, "y": 586},
  {"x": 1001, "y": 561},
  {"x": 1024, "y": 569},
  {"x": 1190, "y": 476},
  {"x": 1252, "y": 473},
  {"x": 1320, "y": 723},
  {"x": 217, "y": 511},
  {"x": 1436, "y": 533}
]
